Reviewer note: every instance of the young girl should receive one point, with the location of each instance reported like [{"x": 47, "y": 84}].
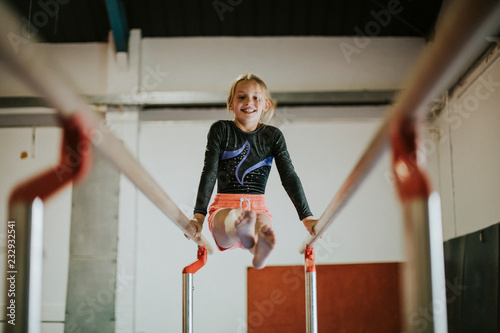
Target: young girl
[{"x": 239, "y": 155}]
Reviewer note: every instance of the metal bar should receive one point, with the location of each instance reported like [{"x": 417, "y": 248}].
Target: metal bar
[
  {"x": 423, "y": 245},
  {"x": 439, "y": 303},
  {"x": 187, "y": 302},
  {"x": 423, "y": 275},
  {"x": 35, "y": 267},
  {"x": 417, "y": 283},
  {"x": 44, "y": 78},
  {"x": 187, "y": 289},
  {"x": 311, "y": 291},
  {"x": 460, "y": 34},
  {"x": 25, "y": 230},
  {"x": 311, "y": 303},
  {"x": 17, "y": 287},
  {"x": 23, "y": 297}
]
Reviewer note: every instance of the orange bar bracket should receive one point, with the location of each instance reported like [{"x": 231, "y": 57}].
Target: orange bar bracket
[
  {"x": 410, "y": 181},
  {"x": 310, "y": 265},
  {"x": 75, "y": 162},
  {"x": 195, "y": 266}
]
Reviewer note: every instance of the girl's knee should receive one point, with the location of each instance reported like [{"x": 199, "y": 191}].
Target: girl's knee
[
  {"x": 223, "y": 217},
  {"x": 233, "y": 214},
  {"x": 219, "y": 219}
]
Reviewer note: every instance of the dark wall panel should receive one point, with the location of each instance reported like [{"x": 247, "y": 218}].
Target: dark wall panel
[
  {"x": 454, "y": 266},
  {"x": 472, "y": 278}
]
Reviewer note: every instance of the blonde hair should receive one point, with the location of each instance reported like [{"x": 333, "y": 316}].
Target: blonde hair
[{"x": 266, "y": 116}]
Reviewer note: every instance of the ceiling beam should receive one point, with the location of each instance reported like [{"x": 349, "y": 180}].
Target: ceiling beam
[{"x": 209, "y": 99}]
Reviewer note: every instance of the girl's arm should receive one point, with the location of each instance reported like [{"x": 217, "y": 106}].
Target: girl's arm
[
  {"x": 208, "y": 175},
  {"x": 210, "y": 167},
  {"x": 289, "y": 178}
]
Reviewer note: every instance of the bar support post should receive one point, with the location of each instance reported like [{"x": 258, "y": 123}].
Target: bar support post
[
  {"x": 24, "y": 267},
  {"x": 187, "y": 289},
  {"x": 187, "y": 302},
  {"x": 24, "y": 255},
  {"x": 311, "y": 292},
  {"x": 423, "y": 278}
]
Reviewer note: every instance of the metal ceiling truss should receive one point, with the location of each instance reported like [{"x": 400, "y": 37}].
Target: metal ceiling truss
[{"x": 197, "y": 99}]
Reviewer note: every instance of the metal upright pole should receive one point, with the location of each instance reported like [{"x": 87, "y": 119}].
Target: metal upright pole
[
  {"x": 187, "y": 302},
  {"x": 423, "y": 277},
  {"x": 187, "y": 289},
  {"x": 36, "y": 267},
  {"x": 24, "y": 267},
  {"x": 311, "y": 291},
  {"x": 25, "y": 231}
]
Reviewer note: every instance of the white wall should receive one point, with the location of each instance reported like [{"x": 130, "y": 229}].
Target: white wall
[
  {"x": 83, "y": 65},
  {"x": 210, "y": 64},
  {"x": 286, "y": 63},
  {"x": 463, "y": 153}
]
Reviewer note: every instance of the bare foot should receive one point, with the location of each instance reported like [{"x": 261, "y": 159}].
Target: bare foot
[
  {"x": 265, "y": 244},
  {"x": 245, "y": 228}
]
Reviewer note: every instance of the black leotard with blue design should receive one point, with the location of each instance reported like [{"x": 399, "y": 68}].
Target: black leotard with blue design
[{"x": 241, "y": 162}]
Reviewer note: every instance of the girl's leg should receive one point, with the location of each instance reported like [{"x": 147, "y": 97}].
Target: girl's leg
[
  {"x": 224, "y": 228},
  {"x": 265, "y": 241},
  {"x": 231, "y": 226},
  {"x": 246, "y": 228}
]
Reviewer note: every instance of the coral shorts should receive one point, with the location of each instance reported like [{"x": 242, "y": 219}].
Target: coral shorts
[{"x": 234, "y": 201}]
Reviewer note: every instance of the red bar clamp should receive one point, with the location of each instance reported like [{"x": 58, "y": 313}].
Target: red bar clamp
[
  {"x": 410, "y": 181},
  {"x": 75, "y": 162},
  {"x": 310, "y": 265},
  {"x": 195, "y": 266}
]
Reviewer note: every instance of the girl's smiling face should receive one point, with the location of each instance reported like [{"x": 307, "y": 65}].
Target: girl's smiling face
[{"x": 248, "y": 105}]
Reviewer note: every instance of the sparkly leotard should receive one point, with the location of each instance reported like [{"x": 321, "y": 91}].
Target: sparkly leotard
[{"x": 241, "y": 162}]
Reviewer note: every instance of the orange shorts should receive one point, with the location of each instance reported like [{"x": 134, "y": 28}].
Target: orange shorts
[{"x": 233, "y": 201}]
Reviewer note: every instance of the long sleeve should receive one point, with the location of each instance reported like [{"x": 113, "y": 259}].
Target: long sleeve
[
  {"x": 289, "y": 178},
  {"x": 210, "y": 167}
]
